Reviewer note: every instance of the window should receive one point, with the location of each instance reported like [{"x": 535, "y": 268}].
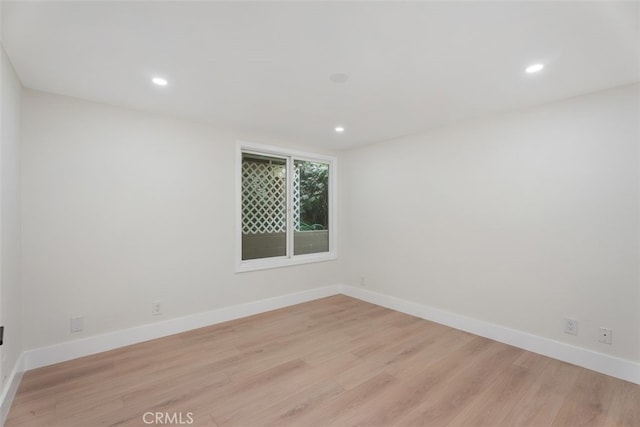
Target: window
[{"x": 286, "y": 204}]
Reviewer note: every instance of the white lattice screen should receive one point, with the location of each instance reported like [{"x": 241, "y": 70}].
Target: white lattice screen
[
  {"x": 264, "y": 195},
  {"x": 296, "y": 197}
]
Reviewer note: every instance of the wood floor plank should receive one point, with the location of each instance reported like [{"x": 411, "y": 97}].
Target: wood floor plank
[
  {"x": 262, "y": 389},
  {"x": 336, "y": 361},
  {"x": 351, "y": 401},
  {"x": 421, "y": 387},
  {"x": 588, "y": 401},
  {"x": 625, "y": 406},
  {"x": 462, "y": 387},
  {"x": 289, "y": 410},
  {"x": 451, "y": 344},
  {"x": 544, "y": 397},
  {"x": 492, "y": 406}
]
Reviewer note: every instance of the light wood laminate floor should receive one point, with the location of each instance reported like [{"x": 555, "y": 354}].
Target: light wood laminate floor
[{"x": 336, "y": 361}]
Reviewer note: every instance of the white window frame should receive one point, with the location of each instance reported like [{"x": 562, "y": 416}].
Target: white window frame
[{"x": 289, "y": 259}]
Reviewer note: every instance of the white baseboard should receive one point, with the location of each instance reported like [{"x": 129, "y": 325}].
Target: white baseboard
[
  {"x": 10, "y": 388},
  {"x": 91, "y": 345},
  {"x": 599, "y": 362}
]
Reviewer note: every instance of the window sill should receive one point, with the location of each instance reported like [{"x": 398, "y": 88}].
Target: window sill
[{"x": 278, "y": 262}]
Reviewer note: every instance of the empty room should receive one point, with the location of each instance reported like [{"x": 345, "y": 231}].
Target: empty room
[{"x": 325, "y": 213}]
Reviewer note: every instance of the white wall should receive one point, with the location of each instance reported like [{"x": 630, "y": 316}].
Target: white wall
[
  {"x": 122, "y": 208},
  {"x": 10, "y": 290},
  {"x": 520, "y": 219}
]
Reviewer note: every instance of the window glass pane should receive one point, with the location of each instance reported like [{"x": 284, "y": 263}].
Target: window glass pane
[
  {"x": 310, "y": 207},
  {"x": 264, "y": 206}
]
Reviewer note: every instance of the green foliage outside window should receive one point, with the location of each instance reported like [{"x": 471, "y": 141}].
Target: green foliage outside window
[{"x": 314, "y": 196}]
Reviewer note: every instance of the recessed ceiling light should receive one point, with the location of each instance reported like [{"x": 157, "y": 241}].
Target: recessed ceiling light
[
  {"x": 339, "y": 77},
  {"x": 339, "y": 129},
  {"x": 159, "y": 81},
  {"x": 534, "y": 68}
]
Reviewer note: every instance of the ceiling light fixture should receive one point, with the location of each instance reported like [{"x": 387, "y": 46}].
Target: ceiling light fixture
[
  {"x": 534, "y": 68},
  {"x": 159, "y": 81},
  {"x": 339, "y": 129}
]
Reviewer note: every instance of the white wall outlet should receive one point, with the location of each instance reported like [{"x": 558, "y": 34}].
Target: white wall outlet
[
  {"x": 605, "y": 335},
  {"x": 363, "y": 281},
  {"x": 77, "y": 324},
  {"x": 156, "y": 308},
  {"x": 570, "y": 326}
]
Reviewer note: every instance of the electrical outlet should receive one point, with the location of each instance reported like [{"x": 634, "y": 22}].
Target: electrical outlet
[
  {"x": 605, "y": 335},
  {"x": 363, "y": 281},
  {"x": 77, "y": 324},
  {"x": 156, "y": 308},
  {"x": 570, "y": 326}
]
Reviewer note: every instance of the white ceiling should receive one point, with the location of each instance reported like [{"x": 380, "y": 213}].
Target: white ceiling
[{"x": 265, "y": 67}]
